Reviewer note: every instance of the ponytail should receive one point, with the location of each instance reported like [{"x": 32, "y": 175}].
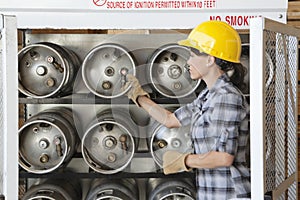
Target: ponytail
[{"x": 239, "y": 72}]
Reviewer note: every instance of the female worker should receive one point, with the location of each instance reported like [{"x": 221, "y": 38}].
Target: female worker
[{"x": 219, "y": 115}]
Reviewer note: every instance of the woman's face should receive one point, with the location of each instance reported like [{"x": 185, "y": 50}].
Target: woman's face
[{"x": 198, "y": 65}]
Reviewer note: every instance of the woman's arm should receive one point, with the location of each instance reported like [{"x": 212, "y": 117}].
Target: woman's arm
[
  {"x": 159, "y": 113},
  {"x": 141, "y": 99},
  {"x": 227, "y": 114},
  {"x": 211, "y": 159}
]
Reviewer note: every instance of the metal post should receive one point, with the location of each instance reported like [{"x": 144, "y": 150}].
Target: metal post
[{"x": 8, "y": 108}]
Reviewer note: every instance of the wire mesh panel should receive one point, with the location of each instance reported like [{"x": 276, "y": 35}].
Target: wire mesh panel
[
  {"x": 279, "y": 111},
  {"x": 280, "y": 119}
]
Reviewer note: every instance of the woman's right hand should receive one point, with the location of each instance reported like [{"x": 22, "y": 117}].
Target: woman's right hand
[{"x": 135, "y": 90}]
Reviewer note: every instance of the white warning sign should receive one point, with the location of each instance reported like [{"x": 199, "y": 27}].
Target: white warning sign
[{"x": 156, "y": 4}]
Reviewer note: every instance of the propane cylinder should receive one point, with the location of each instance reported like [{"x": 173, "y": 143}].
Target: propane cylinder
[
  {"x": 167, "y": 189},
  {"x": 48, "y": 140},
  {"x": 46, "y": 70},
  {"x": 168, "y": 71},
  {"x": 104, "y": 70},
  {"x": 165, "y": 139},
  {"x": 108, "y": 145},
  {"x": 113, "y": 189},
  {"x": 54, "y": 189}
]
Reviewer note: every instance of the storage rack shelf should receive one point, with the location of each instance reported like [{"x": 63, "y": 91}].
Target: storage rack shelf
[
  {"x": 92, "y": 99},
  {"x": 119, "y": 175}
]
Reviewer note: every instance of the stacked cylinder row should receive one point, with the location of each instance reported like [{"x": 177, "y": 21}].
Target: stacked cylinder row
[
  {"x": 49, "y": 139},
  {"x": 49, "y": 70},
  {"x": 125, "y": 189}
]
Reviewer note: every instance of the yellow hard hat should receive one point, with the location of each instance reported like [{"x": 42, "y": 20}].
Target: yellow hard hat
[{"x": 215, "y": 38}]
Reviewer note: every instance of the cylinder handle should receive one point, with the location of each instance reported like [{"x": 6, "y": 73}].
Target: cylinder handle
[
  {"x": 123, "y": 139},
  {"x": 51, "y": 60},
  {"x": 57, "y": 142},
  {"x": 123, "y": 72}
]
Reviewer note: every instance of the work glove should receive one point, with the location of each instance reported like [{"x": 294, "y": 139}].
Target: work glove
[
  {"x": 174, "y": 162},
  {"x": 136, "y": 89}
]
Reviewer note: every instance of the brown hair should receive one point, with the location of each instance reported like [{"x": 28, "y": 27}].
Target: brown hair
[{"x": 239, "y": 72}]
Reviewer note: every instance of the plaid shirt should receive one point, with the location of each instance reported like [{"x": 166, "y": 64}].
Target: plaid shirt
[{"x": 219, "y": 119}]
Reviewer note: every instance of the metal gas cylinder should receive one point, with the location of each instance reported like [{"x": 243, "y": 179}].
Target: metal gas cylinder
[
  {"x": 47, "y": 140},
  {"x": 168, "y": 71},
  {"x": 113, "y": 189},
  {"x": 47, "y": 70},
  {"x": 171, "y": 189},
  {"x": 104, "y": 70},
  {"x": 54, "y": 189},
  {"x": 108, "y": 145},
  {"x": 165, "y": 139}
]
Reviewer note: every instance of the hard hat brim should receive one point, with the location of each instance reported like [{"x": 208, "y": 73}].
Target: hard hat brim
[
  {"x": 193, "y": 44},
  {"x": 190, "y": 43}
]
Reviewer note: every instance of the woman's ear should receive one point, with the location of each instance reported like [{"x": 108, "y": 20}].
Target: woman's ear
[{"x": 210, "y": 61}]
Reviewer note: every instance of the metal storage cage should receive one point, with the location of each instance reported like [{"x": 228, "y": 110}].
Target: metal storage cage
[{"x": 76, "y": 114}]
